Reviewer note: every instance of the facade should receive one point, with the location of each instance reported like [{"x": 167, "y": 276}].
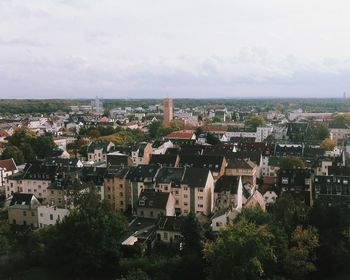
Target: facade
[
  {"x": 7, "y": 167},
  {"x": 228, "y": 193},
  {"x": 97, "y": 151},
  {"x": 50, "y": 215},
  {"x": 154, "y": 205},
  {"x": 141, "y": 154},
  {"x": 168, "y": 111},
  {"x": 117, "y": 189},
  {"x": 169, "y": 229},
  {"x": 197, "y": 191},
  {"x": 246, "y": 169},
  {"x": 338, "y": 131},
  {"x": 23, "y": 210},
  {"x": 262, "y": 132},
  {"x": 333, "y": 189}
]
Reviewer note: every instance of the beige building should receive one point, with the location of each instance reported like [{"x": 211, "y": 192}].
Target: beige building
[
  {"x": 154, "y": 204},
  {"x": 23, "y": 210},
  {"x": 141, "y": 154},
  {"x": 168, "y": 111},
  {"x": 117, "y": 189},
  {"x": 247, "y": 169}
]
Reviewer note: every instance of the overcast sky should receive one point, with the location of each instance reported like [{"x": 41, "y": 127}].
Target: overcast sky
[{"x": 178, "y": 48}]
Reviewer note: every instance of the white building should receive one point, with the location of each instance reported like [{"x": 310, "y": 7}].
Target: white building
[{"x": 50, "y": 215}]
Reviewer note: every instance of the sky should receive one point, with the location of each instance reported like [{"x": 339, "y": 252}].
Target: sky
[{"x": 177, "y": 48}]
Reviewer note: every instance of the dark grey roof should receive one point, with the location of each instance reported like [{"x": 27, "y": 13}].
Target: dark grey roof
[
  {"x": 213, "y": 162},
  {"x": 143, "y": 172},
  {"x": 170, "y": 175},
  {"x": 21, "y": 199},
  {"x": 170, "y": 223},
  {"x": 56, "y": 161},
  {"x": 227, "y": 184},
  {"x": 195, "y": 177},
  {"x": 167, "y": 160},
  {"x": 338, "y": 126},
  {"x": 153, "y": 199}
]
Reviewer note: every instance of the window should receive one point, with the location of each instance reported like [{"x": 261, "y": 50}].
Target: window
[
  {"x": 121, "y": 194},
  {"x": 121, "y": 186},
  {"x": 200, "y": 205},
  {"x": 200, "y": 197},
  {"x": 121, "y": 202},
  {"x": 141, "y": 213},
  {"x": 51, "y": 217},
  {"x": 165, "y": 235},
  {"x": 185, "y": 203},
  {"x": 24, "y": 213},
  {"x": 185, "y": 188},
  {"x": 185, "y": 196},
  {"x": 41, "y": 214},
  {"x": 151, "y": 213},
  {"x": 33, "y": 213},
  {"x": 200, "y": 190}
]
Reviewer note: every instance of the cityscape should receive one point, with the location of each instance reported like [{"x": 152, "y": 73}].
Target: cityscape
[{"x": 166, "y": 140}]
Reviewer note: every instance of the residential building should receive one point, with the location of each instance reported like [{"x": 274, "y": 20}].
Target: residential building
[
  {"x": 141, "y": 153},
  {"x": 23, "y": 210},
  {"x": 50, "y": 215},
  {"x": 153, "y": 205},
  {"x": 169, "y": 229},
  {"x": 117, "y": 189},
  {"x": 228, "y": 193}
]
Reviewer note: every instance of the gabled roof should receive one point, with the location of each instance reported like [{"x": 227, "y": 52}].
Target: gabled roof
[
  {"x": 21, "y": 199},
  {"x": 170, "y": 175},
  {"x": 195, "y": 177},
  {"x": 168, "y": 160},
  {"x": 8, "y": 164},
  {"x": 56, "y": 161},
  {"x": 143, "y": 172},
  {"x": 153, "y": 199},
  {"x": 119, "y": 172},
  {"x": 181, "y": 134},
  {"x": 240, "y": 164},
  {"x": 170, "y": 223},
  {"x": 214, "y": 163},
  {"x": 227, "y": 184}
]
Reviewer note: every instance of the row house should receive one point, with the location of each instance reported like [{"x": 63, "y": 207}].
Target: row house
[
  {"x": 35, "y": 178},
  {"x": 160, "y": 146},
  {"x": 298, "y": 183},
  {"x": 228, "y": 193},
  {"x": 245, "y": 169},
  {"x": 153, "y": 205},
  {"x": 334, "y": 189},
  {"x": 26, "y": 210},
  {"x": 117, "y": 189},
  {"x": 169, "y": 179},
  {"x": 338, "y": 131},
  {"x": 141, "y": 177},
  {"x": 215, "y": 163},
  {"x": 141, "y": 153},
  {"x": 8, "y": 167},
  {"x": 98, "y": 150}
]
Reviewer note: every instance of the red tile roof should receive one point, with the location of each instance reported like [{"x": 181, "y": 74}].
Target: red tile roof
[
  {"x": 8, "y": 164},
  {"x": 181, "y": 134},
  {"x": 3, "y": 133},
  {"x": 214, "y": 128}
]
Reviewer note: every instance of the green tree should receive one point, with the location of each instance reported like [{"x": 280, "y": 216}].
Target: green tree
[
  {"x": 154, "y": 128},
  {"x": 255, "y": 121},
  {"x": 291, "y": 163},
  {"x": 191, "y": 232},
  {"x": 43, "y": 146},
  {"x": 87, "y": 242},
  {"x": 13, "y": 152},
  {"x": 239, "y": 252},
  {"x": 342, "y": 119},
  {"x": 213, "y": 140},
  {"x": 301, "y": 256},
  {"x": 137, "y": 275}
]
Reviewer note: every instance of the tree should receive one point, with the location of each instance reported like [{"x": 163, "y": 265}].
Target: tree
[
  {"x": 255, "y": 121},
  {"x": 153, "y": 129},
  {"x": 87, "y": 242},
  {"x": 137, "y": 275},
  {"x": 213, "y": 140},
  {"x": 331, "y": 222},
  {"x": 291, "y": 163},
  {"x": 13, "y": 152},
  {"x": 191, "y": 232},
  {"x": 328, "y": 144},
  {"x": 43, "y": 146},
  {"x": 300, "y": 258},
  {"x": 239, "y": 252},
  {"x": 342, "y": 119}
]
